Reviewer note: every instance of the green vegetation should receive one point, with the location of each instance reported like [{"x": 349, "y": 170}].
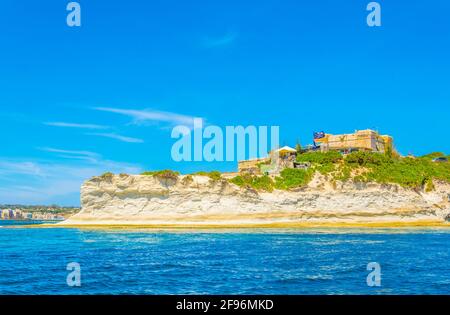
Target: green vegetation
[
  {"x": 323, "y": 162},
  {"x": 262, "y": 164},
  {"x": 389, "y": 152},
  {"x": 106, "y": 176},
  {"x": 433, "y": 155},
  {"x": 409, "y": 172},
  {"x": 382, "y": 168},
  {"x": 415, "y": 173},
  {"x": 288, "y": 179},
  {"x": 264, "y": 183},
  {"x": 362, "y": 158},
  {"x": 320, "y": 157},
  {"x": 242, "y": 181},
  {"x": 343, "y": 173},
  {"x": 298, "y": 147},
  {"x": 293, "y": 178},
  {"x": 429, "y": 186},
  {"x": 326, "y": 169},
  {"x": 164, "y": 174}
]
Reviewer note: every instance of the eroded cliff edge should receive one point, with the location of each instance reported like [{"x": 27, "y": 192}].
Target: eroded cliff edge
[{"x": 201, "y": 201}]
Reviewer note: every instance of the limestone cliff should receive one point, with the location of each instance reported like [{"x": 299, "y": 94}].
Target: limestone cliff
[{"x": 198, "y": 201}]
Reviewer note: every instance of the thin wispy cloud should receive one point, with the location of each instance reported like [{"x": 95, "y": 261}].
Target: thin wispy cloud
[
  {"x": 147, "y": 115},
  {"x": 22, "y": 168},
  {"x": 117, "y": 137},
  {"x": 78, "y": 155},
  {"x": 75, "y": 125},
  {"x": 34, "y": 181},
  {"x": 225, "y": 40}
]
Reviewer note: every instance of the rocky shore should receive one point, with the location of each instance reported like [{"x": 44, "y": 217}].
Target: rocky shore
[{"x": 124, "y": 200}]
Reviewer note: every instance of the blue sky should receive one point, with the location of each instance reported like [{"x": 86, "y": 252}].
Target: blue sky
[{"x": 303, "y": 65}]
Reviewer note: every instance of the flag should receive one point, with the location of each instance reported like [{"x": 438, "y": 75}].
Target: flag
[{"x": 319, "y": 135}]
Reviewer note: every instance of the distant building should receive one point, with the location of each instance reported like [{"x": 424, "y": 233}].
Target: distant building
[
  {"x": 361, "y": 140},
  {"x": 18, "y": 214},
  {"x": 5, "y": 214}
]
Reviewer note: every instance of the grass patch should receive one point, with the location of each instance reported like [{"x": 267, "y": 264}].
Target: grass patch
[
  {"x": 415, "y": 173},
  {"x": 433, "y": 155},
  {"x": 410, "y": 173},
  {"x": 164, "y": 174},
  {"x": 106, "y": 176},
  {"x": 288, "y": 179},
  {"x": 262, "y": 183},
  {"x": 320, "y": 157},
  {"x": 362, "y": 158},
  {"x": 293, "y": 178},
  {"x": 363, "y": 166},
  {"x": 407, "y": 172}
]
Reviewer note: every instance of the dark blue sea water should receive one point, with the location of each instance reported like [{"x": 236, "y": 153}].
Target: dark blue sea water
[{"x": 333, "y": 261}]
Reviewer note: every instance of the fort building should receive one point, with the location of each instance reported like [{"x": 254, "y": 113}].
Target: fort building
[
  {"x": 360, "y": 140},
  {"x": 285, "y": 157}
]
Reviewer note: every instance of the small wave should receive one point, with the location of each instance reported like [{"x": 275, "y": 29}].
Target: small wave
[{"x": 319, "y": 277}]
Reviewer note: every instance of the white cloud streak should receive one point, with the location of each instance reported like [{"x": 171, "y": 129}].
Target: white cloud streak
[
  {"x": 77, "y": 155},
  {"x": 46, "y": 182},
  {"x": 74, "y": 125},
  {"x": 117, "y": 137},
  {"x": 20, "y": 168},
  {"x": 147, "y": 115}
]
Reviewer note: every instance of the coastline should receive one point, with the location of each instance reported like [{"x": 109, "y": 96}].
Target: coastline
[
  {"x": 146, "y": 202},
  {"x": 280, "y": 225}
]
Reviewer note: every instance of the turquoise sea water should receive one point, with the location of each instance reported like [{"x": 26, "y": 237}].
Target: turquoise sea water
[{"x": 327, "y": 261}]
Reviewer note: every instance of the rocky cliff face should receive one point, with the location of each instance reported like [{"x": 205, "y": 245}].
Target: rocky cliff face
[{"x": 147, "y": 200}]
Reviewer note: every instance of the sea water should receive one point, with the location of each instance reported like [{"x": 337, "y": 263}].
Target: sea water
[{"x": 291, "y": 261}]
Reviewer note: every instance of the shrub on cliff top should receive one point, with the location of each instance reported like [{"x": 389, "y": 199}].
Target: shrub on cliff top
[
  {"x": 407, "y": 172},
  {"x": 242, "y": 180},
  {"x": 293, "y": 178},
  {"x": 264, "y": 183},
  {"x": 363, "y": 158},
  {"x": 320, "y": 157},
  {"x": 164, "y": 174},
  {"x": 289, "y": 178},
  {"x": 432, "y": 155},
  {"x": 107, "y": 176}
]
